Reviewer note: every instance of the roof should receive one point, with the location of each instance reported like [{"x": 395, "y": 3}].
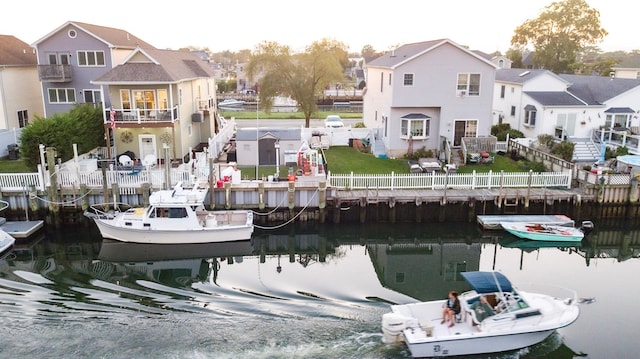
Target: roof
[
  {"x": 160, "y": 66},
  {"x": 596, "y": 90},
  {"x": 620, "y": 110},
  {"x": 287, "y": 134},
  {"x": 111, "y": 36},
  {"x": 413, "y": 116},
  {"x": 400, "y": 55},
  {"x": 15, "y": 52},
  {"x": 487, "y": 282},
  {"x": 521, "y": 76},
  {"x": 554, "y": 98}
]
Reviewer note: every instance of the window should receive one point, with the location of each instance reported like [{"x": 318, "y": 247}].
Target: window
[
  {"x": 530, "y": 115},
  {"x": 92, "y": 96},
  {"x": 381, "y": 81},
  {"x": 90, "y": 58},
  {"x": 513, "y": 110},
  {"x": 58, "y": 59},
  {"x": 502, "y": 90},
  {"x": 470, "y": 83},
  {"x": 62, "y": 95},
  {"x": 125, "y": 99},
  {"x": 23, "y": 118},
  {"x": 389, "y": 79},
  {"x": 418, "y": 128},
  {"x": 408, "y": 80}
]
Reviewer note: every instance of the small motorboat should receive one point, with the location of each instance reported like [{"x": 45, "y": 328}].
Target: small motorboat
[
  {"x": 231, "y": 103},
  {"x": 543, "y": 232},
  {"x": 494, "y": 317}
]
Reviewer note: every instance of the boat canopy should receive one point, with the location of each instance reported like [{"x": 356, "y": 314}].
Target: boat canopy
[{"x": 487, "y": 282}]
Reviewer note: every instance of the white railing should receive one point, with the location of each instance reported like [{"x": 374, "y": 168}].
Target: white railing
[
  {"x": 434, "y": 181},
  {"x": 20, "y": 182}
]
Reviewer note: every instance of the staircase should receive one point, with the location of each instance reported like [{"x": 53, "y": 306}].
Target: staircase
[{"x": 585, "y": 150}]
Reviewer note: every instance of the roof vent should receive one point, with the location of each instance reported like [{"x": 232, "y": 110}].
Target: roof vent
[{"x": 524, "y": 73}]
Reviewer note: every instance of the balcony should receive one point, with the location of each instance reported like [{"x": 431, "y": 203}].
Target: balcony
[
  {"x": 55, "y": 73},
  {"x": 142, "y": 116}
]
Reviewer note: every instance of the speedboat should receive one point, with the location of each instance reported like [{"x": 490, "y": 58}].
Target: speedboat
[
  {"x": 175, "y": 216},
  {"x": 230, "y": 102},
  {"x": 543, "y": 232},
  {"x": 507, "y": 319}
]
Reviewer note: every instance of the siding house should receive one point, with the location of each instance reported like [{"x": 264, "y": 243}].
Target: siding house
[
  {"x": 428, "y": 93},
  {"x": 73, "y": 55},
  {"x": 160, "y": 99},
  {"x": 569, "y": 107},
  {"x": 19, "y": 87}
]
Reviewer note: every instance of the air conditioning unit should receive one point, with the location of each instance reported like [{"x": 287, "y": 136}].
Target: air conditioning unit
[
  {"x": 197, "y": 117},
  {"x": 461, "y": 93}
]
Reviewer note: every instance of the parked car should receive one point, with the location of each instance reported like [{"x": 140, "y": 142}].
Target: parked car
[{"x": 333, "y": 121}]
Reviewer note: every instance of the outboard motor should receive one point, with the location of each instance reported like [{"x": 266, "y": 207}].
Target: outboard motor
[{"x": 586, "y": 227}]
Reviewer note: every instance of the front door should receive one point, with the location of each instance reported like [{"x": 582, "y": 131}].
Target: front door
[
  {"x": 458, "y": 133},
  {"x": 464, "y": 128},
  {"x": 147, "y": 146}
]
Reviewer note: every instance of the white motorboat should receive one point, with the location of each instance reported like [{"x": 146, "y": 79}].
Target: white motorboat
[
  {"x": 174, "y": 217},
  {"x": 6, "y": 242},
  {"x": 512, "y": 319},
  {"x": 230, "y": 102},
  {"x": 543, "y": 232}
]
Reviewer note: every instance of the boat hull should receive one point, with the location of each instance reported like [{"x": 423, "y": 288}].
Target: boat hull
[
  {"x": 560, "y": 234},
  {"x": 109, "y": 230}
]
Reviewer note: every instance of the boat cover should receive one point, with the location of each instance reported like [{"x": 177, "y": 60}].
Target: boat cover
[{"x": 487, "y": 282}]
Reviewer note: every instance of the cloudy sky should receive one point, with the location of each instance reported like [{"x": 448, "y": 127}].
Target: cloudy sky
[{"x": 234, "y": 25}]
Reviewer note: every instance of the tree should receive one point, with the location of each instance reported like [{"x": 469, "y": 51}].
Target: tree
[
  {"x": 369, "y": 53},
  {"x": 515, "y": 55},
  {"x": 302, "y": 76},
  {"x": 560, "y": 33},
  {"x": 83, "y": 125}
]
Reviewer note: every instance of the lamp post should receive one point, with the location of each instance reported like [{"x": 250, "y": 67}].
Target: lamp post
[{"x": 277, "y": 146}]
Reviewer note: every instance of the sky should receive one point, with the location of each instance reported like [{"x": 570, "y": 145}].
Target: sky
[{"x": 235, "y": 25}]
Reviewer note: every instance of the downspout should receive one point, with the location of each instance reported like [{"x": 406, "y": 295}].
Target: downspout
[{"x": 4, "y": 103}]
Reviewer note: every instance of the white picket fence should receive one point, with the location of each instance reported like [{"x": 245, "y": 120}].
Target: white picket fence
[{"x": 434, "y": 180}]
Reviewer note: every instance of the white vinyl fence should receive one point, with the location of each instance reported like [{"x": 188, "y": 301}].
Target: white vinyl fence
[{"x": 452, "y": 180}]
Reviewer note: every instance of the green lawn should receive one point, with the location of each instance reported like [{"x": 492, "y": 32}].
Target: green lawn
[{"x": 247, "y": 115}]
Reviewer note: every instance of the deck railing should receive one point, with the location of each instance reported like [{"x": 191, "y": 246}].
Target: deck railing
[{"x": 435, "y": 180}]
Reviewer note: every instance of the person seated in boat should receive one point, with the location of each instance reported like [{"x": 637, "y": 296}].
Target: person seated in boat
[
  {"x": 482, "y": 309},
  {"x": 451, "y": 308}
]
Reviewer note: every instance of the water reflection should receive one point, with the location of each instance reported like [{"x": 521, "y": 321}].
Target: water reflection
[{"x": 334, "y": 278}]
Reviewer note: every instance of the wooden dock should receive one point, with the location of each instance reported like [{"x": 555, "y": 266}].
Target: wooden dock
[{"x": 492, "y": 222}]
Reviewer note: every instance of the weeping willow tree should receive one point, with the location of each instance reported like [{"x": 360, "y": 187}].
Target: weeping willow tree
[{"x": 302, "y": 76}]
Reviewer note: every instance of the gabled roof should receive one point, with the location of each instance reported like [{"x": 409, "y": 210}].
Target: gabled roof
[
  {"x": 283, "y": 134},
  {"x": 596, "y": 90},
  {"x": 15, "y": 52},
  {"x": 157, "y": 66},
  {"x": 114, "y": 38},
  {"x": 404, "y": 53},
  {"x": 555, "y": 98},
  {"x": 520, "y": 76}
]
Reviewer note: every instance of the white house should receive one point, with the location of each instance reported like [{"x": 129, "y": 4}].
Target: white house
[
  {"x": 539, "y": 102},
  {"x": 428, "y": 92}
]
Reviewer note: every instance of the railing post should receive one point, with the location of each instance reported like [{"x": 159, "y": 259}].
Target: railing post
[
  {"x": 393, "y": 177},
  {"x": 351, "y": 180}
]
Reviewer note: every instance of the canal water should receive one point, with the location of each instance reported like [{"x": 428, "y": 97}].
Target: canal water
[{"x": 305, "y": 291}]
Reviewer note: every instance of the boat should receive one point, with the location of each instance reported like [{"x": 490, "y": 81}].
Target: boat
[
  {"x": 543, "y": 232},
  {"x": 6, "y": 242},
  {"x": 19, "y": 229},
  {"x": 231, "y": 103},
  {"x": 492, "y": 221},
  {"x": 511, "y": 319},
  {"x": 176, "y": 216}
]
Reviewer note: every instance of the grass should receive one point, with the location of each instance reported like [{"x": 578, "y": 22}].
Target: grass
[{"x": 14, "y": 166}]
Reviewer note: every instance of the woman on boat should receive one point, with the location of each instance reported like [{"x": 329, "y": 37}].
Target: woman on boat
[{"x": 451, "y": 309}]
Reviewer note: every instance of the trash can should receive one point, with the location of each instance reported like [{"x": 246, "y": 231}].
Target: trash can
[{"x": 13, "y": 151}]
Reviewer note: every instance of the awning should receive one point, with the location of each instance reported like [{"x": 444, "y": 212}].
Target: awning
[
  {"x": 413, "y": 116},
  {"x": 619, "y": 110},
  {"x": 487, "y": 282},
  {"x": 530, "y": 108}
]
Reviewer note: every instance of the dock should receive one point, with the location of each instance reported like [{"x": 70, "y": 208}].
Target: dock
[
  {"x": 21, "y": 229},
  {"x": 492, "y": 222}
]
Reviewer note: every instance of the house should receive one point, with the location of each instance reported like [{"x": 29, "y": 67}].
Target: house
[
  {"x": 73, "y": 55},
  {"x": 161, "y": 101},
  {"x": 626, "y": 72},
  {"x": 265, "y": 151},
  {"x": 538, "y": 102},
  {"x": 501, "y": 61},
  {"x": 428, "y": 93},
  {"x": 19, "y": 88}
]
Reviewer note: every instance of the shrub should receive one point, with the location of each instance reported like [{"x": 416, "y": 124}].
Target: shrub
[
  {"x": 563, "y": 150},
  {"x": 359, "y": 125},
  {"x": 546, "y": 140}
]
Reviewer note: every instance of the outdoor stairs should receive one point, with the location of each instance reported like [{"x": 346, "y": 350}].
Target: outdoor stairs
[
  {"x": 378, "y": 149},
  {"x": 585, "y": 151}
]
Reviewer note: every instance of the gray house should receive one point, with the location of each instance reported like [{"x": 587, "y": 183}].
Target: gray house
[
  {"x": 73, "y": 55},
  {"x": 429, "y": 93}
]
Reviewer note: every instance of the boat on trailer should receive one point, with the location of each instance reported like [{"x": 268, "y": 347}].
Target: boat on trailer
[
  {"x": 510, "y": 319},
  {"x": 176, "y": 216}
]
